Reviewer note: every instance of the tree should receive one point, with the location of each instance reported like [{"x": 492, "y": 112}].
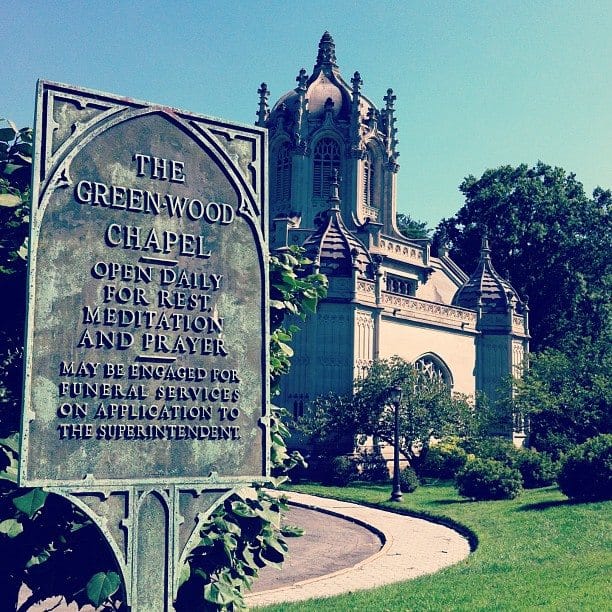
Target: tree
[
  {"x": 553, "y": 239},
  {"x": 411, "y": 228},
  {"x": 427, "y": 410},
  {"x": 567, "y": 399}
]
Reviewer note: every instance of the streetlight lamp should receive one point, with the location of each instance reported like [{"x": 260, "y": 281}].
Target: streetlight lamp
[{"x": 395, "y": 396}]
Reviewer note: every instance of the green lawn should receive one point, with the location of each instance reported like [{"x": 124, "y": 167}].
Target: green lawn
[{"x": 537, "y": 552}]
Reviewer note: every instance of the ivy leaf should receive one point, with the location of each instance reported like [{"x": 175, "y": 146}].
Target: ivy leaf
[
  {"x": 242, "y": 509},
  {"x": 31, "y": 502},
  {"x": 38, "y": 559},
  {"x": 12, "y": 442},
  {"x": 11, "y": 527},
  {"x": 292, "y": 531},
  {"x": 219, "y": 593},
  {"x": 285, "y": 348},
  {"x": 101, "y": 586},
  {"x": 9, "y": 200},
  {"x": 7, "y": 134}
]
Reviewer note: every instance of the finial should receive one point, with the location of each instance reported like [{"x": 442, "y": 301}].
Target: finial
[
  {"x": 327, "y": 52},
  {"x": 389, "y": 100},
  {"x": 485, "y": 251},
  {"x": 263, "y": 112},
  {"x": 389, "y": 125},
  {"x": 356, "y": 82},
  {"x": 334, "y": 194},
  {"x": 301, "y": 79}
]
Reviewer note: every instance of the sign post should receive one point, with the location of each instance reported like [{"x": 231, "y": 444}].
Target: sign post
[{"x": 146, "y": 389}]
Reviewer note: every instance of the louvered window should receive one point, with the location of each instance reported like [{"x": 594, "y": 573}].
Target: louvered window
[
  {"x": 326, "y": 159},
  {"x": 282, "y": 184}
]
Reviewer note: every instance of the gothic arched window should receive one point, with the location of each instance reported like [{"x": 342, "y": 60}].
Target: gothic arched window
[
  {"x": 369, "y": 179},
  {"x": 434, "y": 369},
  {"x": 326, "y": 158},
  {"x": 282, "y": 182}
]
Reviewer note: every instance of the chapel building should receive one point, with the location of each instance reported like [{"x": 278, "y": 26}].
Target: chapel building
[{"x": 333, "y": 168}]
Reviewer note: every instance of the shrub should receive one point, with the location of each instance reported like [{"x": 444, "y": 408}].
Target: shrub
[
  {"x": 488, "y": 479},
  {"x": 340, "y": 471},
  {"x": 409, "y": 480},
  {"x": 497, "y": 448},
  {"x": 443, "y": 461},
  {"x": 537, "y": 469},
  {"x": 373, "y": 468},
  {"x": 586, "y": 471}
]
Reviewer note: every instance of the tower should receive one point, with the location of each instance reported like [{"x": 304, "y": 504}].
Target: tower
[
  {"x": 503, "y": 322},
  {"x": 326, "y": 125},
  {"x": 333, "y": 168}
]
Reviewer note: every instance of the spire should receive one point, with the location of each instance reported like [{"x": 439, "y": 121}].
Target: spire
[
  {"x": 326, "y": 58},
  {"x": 356, "y": 83},
  {"x": 263, "y": 112},
  {"x": 389, "y": 115},
  {"x": 300, "y": 128},
  {"x": 332, "y": 245}
]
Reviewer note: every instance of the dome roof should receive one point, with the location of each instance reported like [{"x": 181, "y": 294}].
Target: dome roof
[
  {"x": 486, "y": 288},
  {"x": 333, "y": 247},
  {"x": 324, "y": 84}
]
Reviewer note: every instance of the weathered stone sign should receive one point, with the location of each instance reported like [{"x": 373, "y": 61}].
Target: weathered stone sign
[
  {"x": 146, "y": 350},
  {"x": 146, "y": 385}
]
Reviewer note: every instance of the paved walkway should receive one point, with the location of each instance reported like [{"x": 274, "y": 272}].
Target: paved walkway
[{"x": 410, "y": 547}]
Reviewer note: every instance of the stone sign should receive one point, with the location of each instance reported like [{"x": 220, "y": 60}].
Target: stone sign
[{"x": 146, "y": 354}]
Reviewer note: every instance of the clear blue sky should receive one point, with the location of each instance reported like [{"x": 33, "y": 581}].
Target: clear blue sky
[{"x": 478, "y": 84}]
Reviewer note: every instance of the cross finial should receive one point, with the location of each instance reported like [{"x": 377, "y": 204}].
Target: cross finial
[
  {"x": 301, "y": 79},
  {"x": 389, "y": 100}
]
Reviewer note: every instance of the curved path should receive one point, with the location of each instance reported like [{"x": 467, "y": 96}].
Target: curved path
[{"x": 404, "y": 548}]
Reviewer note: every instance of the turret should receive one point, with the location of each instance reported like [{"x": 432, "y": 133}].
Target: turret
[{"x": 503, "y": 342}]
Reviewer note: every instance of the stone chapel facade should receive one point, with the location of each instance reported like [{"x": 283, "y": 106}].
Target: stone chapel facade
[{"x": 333, "y": 168}]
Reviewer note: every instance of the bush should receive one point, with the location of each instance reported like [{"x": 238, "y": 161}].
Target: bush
[
  {"x": 488, "y": 479},
  {"x": 443, "y": 460},
  {"x": 409, "y": 480},
  {"x": 373, "y": 468},
  {"x": 497, "y": 448},
  {"x": 537, "y": 469},
  {"x": 340, "y": 471},
  {"x": 586, "y": 471}
]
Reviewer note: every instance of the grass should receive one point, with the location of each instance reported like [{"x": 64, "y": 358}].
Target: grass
[{"x": 537, "y": 552}]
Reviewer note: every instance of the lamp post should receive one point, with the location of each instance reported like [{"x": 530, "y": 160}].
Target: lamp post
[{"x": 395, "y": 395}]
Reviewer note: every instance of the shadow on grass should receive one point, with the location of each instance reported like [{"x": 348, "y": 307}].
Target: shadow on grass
[
  {"x": 449, "y": 502},
  {"x": 545, "y": 505}
]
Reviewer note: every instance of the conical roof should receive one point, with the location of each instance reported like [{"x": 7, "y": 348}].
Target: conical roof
[
  {"x": 332, "y": 246},
  {"x": 486, "y": 288}
]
